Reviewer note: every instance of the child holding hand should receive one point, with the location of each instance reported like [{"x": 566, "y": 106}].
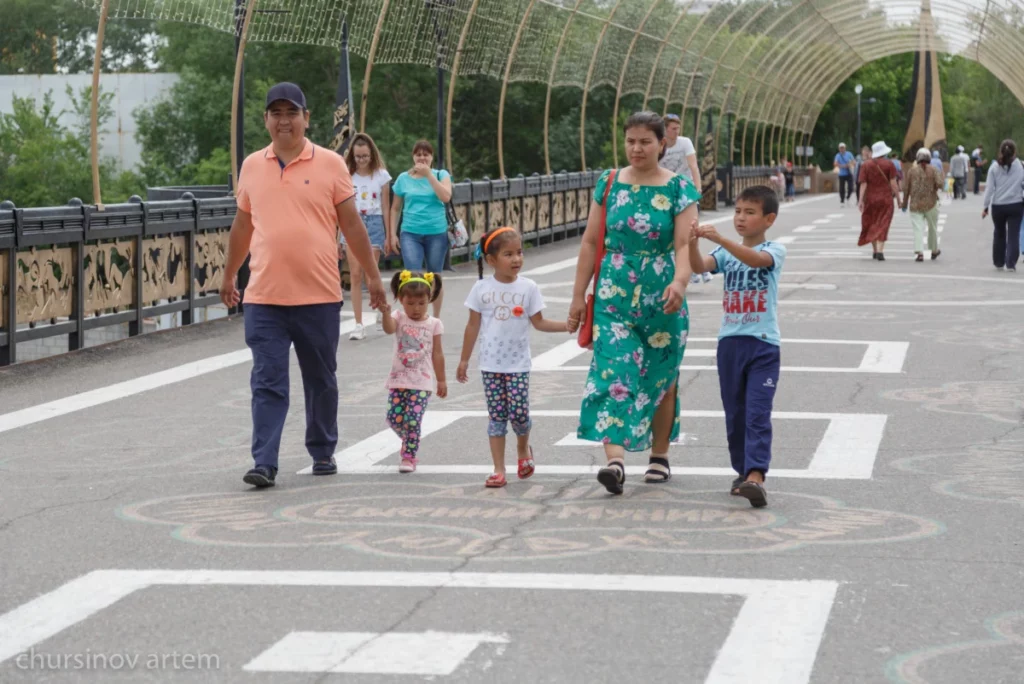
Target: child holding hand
[{"x": 501, "y": 310}]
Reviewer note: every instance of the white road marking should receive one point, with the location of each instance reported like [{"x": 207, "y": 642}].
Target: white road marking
[
  {"x": 821, "y": 222},
  {"x": 879, "y": 357},
  {"x": 121, "y": 390},
  {"x": 428, "y": 654},
  {"x": 846, "y": 452},
  {"x": 779, "y": 627}
]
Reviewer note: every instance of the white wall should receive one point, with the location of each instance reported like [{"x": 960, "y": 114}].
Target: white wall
[{"x": 130, "y": 91}]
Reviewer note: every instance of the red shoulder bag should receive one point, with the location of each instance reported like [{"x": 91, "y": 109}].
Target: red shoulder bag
[{"x": 586, "y": 334}]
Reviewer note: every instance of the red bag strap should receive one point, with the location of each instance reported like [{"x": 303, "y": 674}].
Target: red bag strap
[{"x": 599, "y": 252}]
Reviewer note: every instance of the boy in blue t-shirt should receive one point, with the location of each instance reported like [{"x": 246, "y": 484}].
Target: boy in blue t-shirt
[{"x": 748, "y": 342}]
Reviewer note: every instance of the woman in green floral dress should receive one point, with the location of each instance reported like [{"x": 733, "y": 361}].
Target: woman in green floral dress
[{"x": 640, "y": 316}]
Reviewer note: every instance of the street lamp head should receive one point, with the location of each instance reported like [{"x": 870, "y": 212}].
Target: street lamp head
[{"x": 858, "y": 89}]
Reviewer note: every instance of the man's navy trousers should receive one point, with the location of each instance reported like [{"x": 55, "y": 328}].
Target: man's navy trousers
[
  {"x": 270, "y": 331},
  {"x": 748, "y": 374}
]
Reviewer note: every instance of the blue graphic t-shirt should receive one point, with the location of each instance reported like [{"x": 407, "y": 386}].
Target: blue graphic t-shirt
[
  {"x": 750, "y": 301},
  {"x": 844, "y": 159}
]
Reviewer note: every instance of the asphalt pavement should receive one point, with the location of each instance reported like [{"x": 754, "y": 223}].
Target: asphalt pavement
[{"x": 130, "y": 549}]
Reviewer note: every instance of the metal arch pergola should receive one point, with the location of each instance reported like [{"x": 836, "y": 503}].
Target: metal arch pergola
[{"x": 770, "y": 64}]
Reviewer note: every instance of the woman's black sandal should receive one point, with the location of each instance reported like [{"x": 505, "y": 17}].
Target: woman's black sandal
[
  {"x": 658, "y": 470},
  {"x": 612, "y": 476}
]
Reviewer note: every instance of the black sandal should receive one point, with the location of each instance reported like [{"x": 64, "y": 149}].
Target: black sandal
[
  {"x": 734, "y": 489},
  {"x": 658, "y": 470},
  {"x": 755, "y": 493},
  {"x": 612, "y": 476},
  {"x": 920, "y": 257}
]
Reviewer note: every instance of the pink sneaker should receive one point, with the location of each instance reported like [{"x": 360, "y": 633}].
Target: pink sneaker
[{"x": 408, "y": 465}]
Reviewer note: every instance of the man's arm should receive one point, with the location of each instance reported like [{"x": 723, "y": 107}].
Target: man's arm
[{"x": 239, "y": 240}]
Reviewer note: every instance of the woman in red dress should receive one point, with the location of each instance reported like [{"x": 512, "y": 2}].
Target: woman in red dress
[{"x": 879, "y": 189}]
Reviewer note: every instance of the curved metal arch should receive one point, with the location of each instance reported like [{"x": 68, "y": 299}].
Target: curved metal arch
[
  {"x": 451, "y": 84},
  {"x": 778, "y": 51},
  {"x": 682, "y": 55},
  {"x": 704, "y": 51},
  {"x": 94, "y": 116},
  {"x": 661, "y": 49},
  {"x": 586, "y": 86},
  {"x": 250, "y": 9},
  {"x": 622, "y": 78},
  {"x": 746, "y": 58},
  {"x": 782, "y": 51},
  {"x": 714, "y": 72},
  {"x": 551, "y": 80},
  {"x": 504, "y": 87},
  {"x": 369, "y": 67}
]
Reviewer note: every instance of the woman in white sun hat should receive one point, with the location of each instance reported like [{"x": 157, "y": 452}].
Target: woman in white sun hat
[{"x": 878, "y": 189}]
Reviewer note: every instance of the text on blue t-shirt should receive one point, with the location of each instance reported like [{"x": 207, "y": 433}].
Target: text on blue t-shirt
[
  {"x": 750, "y": 301},
  {"x": 422, "y": 212}
]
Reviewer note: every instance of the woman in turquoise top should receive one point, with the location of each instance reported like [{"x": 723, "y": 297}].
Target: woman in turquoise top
[
  {"x": 420, "y": 196},
  {"x": 641, "y": 320}
]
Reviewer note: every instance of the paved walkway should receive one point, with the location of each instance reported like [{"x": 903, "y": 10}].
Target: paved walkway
[{"x": 132, "y": 551}]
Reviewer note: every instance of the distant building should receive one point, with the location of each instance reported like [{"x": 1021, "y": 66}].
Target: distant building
[{"x": 130, "y": 92}]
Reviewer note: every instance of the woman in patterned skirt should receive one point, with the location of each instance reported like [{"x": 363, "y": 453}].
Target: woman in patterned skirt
[{"x": 640, "y": 316}]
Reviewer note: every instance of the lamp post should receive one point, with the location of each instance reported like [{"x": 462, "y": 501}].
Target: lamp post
[{"x": 871, "y": 100}]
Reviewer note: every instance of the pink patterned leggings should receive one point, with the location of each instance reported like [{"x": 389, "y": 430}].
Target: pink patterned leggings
[
  {"x": 405, "y": 417},
  {"x": 508, "y": 401}
]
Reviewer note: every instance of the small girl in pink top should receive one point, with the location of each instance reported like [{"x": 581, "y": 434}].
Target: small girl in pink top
[{"x": 418, "y": 358}]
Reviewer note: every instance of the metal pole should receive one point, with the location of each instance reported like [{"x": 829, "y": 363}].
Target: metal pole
[
  {"x": 239, "y": 127},
  {"x": 439, "y": 40},
  {"x": 94, "y": 143},
  {"x": 858, "y": 122},
  {"x": 343, "y": 98}
]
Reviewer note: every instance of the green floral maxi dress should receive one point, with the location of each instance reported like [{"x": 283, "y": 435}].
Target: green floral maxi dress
[{"x": 637, "y": 346}]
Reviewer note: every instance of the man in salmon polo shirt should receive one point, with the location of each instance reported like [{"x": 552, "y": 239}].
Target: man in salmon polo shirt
[{"x": 292, "y": 197}]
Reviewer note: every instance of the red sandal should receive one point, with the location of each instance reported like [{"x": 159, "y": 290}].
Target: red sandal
[
  {"x": 496, "y": 481},
  {"x": 526, "y": 466}
]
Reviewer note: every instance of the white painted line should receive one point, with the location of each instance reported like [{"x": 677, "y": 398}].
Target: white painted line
[
  {"x": 804, "y": 229},
  {"x": 785, "y": 239},
  {"x": 863, "y": 256},
  {"x": 552, "y": 267},
  {"x": 879, "y": 357},
  {"x": 779, "y": 627},
  {"x": 821, "y": 222},
  {"x": 121, "y": 390},
  {"x": 428, "y": 654},
  {"x": 835, "y": 216},
  {"x": 847, "y": 451}
]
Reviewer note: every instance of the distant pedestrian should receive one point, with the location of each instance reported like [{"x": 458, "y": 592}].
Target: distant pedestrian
[
  {"x": 749, "y": 359},
  {"x": 372, "y": 182},
  {"x": 878, "y": 189},
  {"x": 503, "y": 308},
  {"x": 420, "y": 196},
  {"x": 680, "y": 155},
  {"x": 789, "y": 180},
  {"x": 959, "y": 165},
  {"x": 865, "y": 154},
  {"x": 920, "y": 193},
  {"x": 843, "y": 165},
  {"x": 292, "y": 197},
  {"x": 1004, "y": 189},
  {"x": 936, "y": 162},
  {"x": 418, "y": 363},
  {"x": 978, "y": 162}
]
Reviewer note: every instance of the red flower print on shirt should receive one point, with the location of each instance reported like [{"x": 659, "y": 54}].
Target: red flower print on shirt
[{"x": 517, "y": 311}]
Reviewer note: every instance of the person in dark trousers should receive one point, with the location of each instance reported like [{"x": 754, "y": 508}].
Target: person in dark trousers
[
  {"x": 749, "y": 357},
  {"x": 292, "y": 197},
  {"x": 978, "y": 162},
  {"x": 1004, "y": 189},
  {"x": 844, "y": 164}
]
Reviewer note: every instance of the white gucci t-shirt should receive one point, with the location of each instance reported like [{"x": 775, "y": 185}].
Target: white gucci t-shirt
[{"x": 505, "y": 310}]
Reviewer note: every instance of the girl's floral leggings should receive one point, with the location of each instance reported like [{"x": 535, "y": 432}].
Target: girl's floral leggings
[
  {"x": 405, "y": 416},
  {"x": 508, "y": 401}
]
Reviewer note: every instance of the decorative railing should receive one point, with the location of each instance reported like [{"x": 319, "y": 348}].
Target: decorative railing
[{"x": 67, "y": 270}]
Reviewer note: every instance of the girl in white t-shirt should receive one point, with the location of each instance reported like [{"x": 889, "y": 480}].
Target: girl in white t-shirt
[
  {"x": 418, "y": 360},
  {"x": 501, "y": 310},
  {"x": 371, "y": 181}
]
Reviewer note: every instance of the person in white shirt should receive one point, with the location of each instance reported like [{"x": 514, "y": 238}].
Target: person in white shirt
[
  {"x": 681, "y": 157},
  {"x": 371, "y": 180},
  {"x": 502, "y": 309},
  {"x": 959, "y": 165}
]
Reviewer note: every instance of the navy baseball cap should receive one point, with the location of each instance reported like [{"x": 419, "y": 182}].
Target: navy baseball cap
[
  {"x": 672, "y": 117},
  {"x": 288, "y": 92}
]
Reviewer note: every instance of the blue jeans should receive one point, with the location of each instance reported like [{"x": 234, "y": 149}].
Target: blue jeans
[
  {"x": 419, "y": 251},
  {"x": 748, "y": 374},
  {"x": 269, "y": 332}
]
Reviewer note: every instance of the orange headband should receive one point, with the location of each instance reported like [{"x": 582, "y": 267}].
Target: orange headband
[{"x": 496, "y": 234}]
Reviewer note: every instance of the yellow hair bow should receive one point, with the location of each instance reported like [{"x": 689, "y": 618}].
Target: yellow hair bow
[
  {"x": 404, "y": 276},
  {"x": 429, "y": 277}
]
